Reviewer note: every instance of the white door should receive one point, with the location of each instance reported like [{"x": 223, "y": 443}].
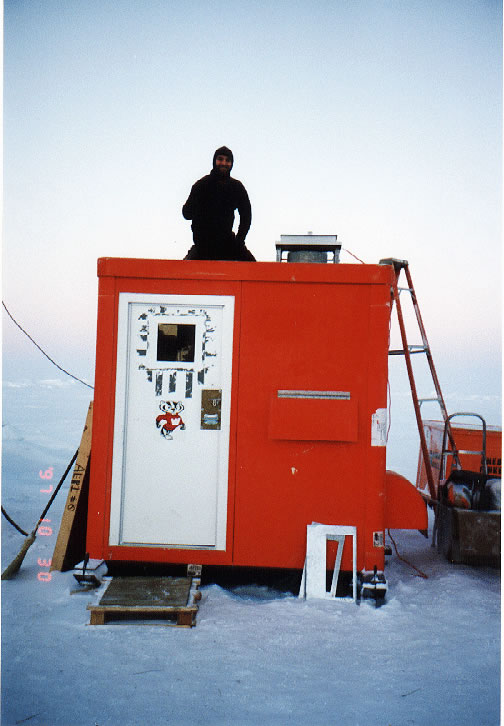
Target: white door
[{"x": 171, "y": 431}]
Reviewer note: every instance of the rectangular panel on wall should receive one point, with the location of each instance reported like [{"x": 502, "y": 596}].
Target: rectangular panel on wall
[{"x": 313, "y": 416}]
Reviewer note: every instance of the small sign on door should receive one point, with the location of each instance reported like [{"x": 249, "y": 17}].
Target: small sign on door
[{"x": 211, "y": 402}]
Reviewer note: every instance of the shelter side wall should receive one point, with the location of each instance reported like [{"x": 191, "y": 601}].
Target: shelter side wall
[
  {"x": 309, "y": 337},
  {"x": 103, "y": 419}
]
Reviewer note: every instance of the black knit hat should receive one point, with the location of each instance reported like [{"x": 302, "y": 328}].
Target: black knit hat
[{"x": 222, "y": 151}]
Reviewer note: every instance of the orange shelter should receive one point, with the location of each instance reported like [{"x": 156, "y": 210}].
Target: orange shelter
[{"x": 237, "y": 403}]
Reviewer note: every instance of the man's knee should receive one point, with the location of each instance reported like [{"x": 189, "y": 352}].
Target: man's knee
[
  {"x": 193, "y": 254},
  {"x": 246, "y": 255}
]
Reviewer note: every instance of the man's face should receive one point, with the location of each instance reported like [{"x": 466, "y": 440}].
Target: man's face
[{"x": 223, "y": 164}]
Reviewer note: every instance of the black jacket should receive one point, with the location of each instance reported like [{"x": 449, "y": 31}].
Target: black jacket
[{"x": 211, "y": 206}]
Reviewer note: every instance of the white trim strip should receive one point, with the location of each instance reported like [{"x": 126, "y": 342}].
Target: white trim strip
[{"x": 336, "y": 395}]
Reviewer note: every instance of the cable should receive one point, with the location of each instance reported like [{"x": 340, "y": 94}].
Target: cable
[
  {"x": 43, "y": 352},
  {"x": 354, "y": 256},
  {"x": 16, "y": 563},
  {"x": 53, "y": 495},
  {"x": 11, "y": 521},
  {"x": 420, "y": 573}
]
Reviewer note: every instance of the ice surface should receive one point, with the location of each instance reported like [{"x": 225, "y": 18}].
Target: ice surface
[{"x": 258, "y": 656}]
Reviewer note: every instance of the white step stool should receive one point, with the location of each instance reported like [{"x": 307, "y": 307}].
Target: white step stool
[{"x": 313, "y": 582}]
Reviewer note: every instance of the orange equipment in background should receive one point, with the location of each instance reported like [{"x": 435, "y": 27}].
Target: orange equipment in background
[
  {"x": 468, "y": 437},
  {"x": 467, "y": 489}
]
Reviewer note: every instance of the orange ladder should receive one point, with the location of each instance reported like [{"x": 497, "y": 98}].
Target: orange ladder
[{"x": 409, "y": 350}]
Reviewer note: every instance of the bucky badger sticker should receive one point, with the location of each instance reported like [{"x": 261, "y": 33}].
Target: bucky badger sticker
[{"x": 170, "y": 419}]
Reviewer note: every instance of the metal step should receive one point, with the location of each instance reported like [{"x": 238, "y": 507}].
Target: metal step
[{"x": 411, "y": 349}]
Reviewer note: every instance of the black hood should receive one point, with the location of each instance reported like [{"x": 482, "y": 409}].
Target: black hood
[{"x": 224, "y": 151}]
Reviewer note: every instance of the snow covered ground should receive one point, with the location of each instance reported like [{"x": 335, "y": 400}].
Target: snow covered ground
[{"x": 257, "y": 657}]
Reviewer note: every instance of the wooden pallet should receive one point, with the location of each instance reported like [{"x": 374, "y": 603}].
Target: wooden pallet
[{"x": 149, "y": 600}]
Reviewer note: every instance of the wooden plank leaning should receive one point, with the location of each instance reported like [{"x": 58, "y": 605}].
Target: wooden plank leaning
[{"x": 71, "y": 541}]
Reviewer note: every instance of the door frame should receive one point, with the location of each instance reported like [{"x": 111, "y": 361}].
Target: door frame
[{"x": 228, "y": 304}]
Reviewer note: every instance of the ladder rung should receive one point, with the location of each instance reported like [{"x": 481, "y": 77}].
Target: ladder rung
[
  {"x": 411, "y": 349},
  {"x": 462, "y": 451},
  {"x": 425, "y": 400},
  {"x": 404, "y": 289}
]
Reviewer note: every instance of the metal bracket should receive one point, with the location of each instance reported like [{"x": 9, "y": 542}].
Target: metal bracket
[{"x": 194, "y": 570}]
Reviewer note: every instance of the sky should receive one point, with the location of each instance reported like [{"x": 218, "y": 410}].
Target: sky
[{"x": 376, "y": 120}]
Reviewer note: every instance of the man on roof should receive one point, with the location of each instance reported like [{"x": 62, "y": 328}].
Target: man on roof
[{"x": 211, "y": 207}]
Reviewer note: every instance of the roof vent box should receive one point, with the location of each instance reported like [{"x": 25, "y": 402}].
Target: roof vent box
[{"x": 308, "y": 247}]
